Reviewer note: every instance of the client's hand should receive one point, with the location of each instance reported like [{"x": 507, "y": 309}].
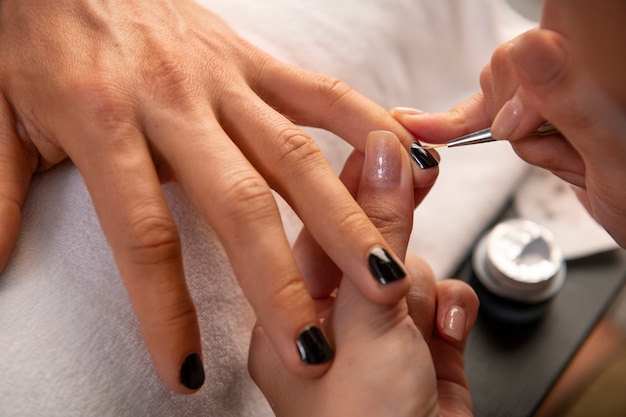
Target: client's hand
[
  {"x": 398, "y": 359},
  {"x": 137, "y": 93}
]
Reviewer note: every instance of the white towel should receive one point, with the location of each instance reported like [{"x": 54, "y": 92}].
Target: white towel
[{"x": 69, "y": 343}]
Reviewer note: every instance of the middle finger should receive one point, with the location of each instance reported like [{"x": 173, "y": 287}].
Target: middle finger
[{"x": 297, "y": 169}]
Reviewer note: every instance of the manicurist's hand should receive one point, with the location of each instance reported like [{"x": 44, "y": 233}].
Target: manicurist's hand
[
  {"x": 398, "y": 359},
  {"x": 137, "y": 93},
  {"x": 569, "y": 72}
]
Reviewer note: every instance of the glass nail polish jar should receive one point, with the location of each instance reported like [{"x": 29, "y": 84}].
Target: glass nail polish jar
[{"x": 518, "y": 270}]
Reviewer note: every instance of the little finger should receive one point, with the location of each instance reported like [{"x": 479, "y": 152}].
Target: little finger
[{"x": 120, "y": 176}]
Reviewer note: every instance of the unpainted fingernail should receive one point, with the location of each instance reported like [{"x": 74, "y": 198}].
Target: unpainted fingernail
[
  {"x": 313, "y": 347},
  {"x": 405, "y": 111},
  {"x": 383, "y": 166},
  {"x": 454, "y": 323},
  {"x": 192, "y": 372},
  {"x": 384, "y": 267},
  {"x": 422, "y": 157},
  {"x": 508, "y": 118}
]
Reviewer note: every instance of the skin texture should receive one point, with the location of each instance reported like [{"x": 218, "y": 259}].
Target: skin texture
[
  {"x": 392, "y": 360},
  {"x": 137, "y": 93},
  {"x": 568, "y": 71}
]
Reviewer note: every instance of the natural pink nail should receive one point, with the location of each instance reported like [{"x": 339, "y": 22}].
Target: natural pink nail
[
  {"x": 507, "y": 119},
  {"x": 454, "y": 323}
]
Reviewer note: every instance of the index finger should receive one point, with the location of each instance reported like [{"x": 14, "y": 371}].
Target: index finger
[{"x": 331, "y": 104}]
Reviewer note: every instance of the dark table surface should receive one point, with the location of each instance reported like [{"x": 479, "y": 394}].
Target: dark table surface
[{"x": 511, "y": 368}]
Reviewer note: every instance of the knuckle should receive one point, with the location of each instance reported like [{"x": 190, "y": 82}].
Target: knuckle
[
  {"x": 388, "y": 216},
  {"x": 333, "y": 89},
  {"x": 295, "y": 147},
  {"x": 248, "y": 197},
  {"x": 352, "y": 222},
  {"x": 173, "y": 317},
  {"x": 167, "y": 77},
  {"x": 153, "y": 239},
  {"x": 105, "y": 101},
  {"x": 290, "y": 291},
  {"x": 386, "y": 224}
]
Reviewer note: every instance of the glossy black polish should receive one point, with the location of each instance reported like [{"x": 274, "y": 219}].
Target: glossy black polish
[
  {"x": 384, "y": 268},
  {"x": 422, "y": 157},
  {"x": 313, "y": 347},
  {"x": 192, "y": 372}
]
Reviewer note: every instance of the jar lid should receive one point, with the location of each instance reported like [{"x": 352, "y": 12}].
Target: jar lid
[{"x": 518, "y": 259}]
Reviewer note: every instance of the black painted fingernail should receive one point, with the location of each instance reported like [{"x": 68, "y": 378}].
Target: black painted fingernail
[
  {"x": 313, "y": 346},
  {"x": 422, "y": 157},
  {"x": 192, "y": 372},
  {"x": 384, "y": 268}
]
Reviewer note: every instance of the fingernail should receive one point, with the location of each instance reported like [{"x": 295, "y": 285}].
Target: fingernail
[
  {"x": 422, "y": 157},
  {"x": 192, "y": 372},
  {"x": 454, "y": 323},
  {"x": 540, "y": 59},
  {"x": 507, "y": 118},
  {"x": 405, "y": 111},
  {"x": 383, "y": 165},
  {"x": 313, "y": 347},
  {"x": 384, "y": 268}
]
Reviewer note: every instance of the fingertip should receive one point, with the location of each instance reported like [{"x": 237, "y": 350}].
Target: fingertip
[
  {"x": 415, "y": 121},
  {"x": 454, "y": 323},
  {"x": 288, "y": 320},
  {"x": 400, "y": 111},
  {"x": 175, "y": 348},
  {"x": 426, "y": 165},
  {"x": 384, "y": 267},
  {"x": 313, "y": 347},
  {"x": 309, "y": 355},
  {"x": 191, "y": 374},
  {"x": 389, "y": 281},
  {"x": 385, "y": 282},
  {"x": 457, "y": 309},
  {"x": 515, "y": 120},
  {"x": 508, "y": 118}
]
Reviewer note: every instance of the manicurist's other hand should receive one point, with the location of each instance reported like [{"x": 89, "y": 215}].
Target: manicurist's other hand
[
  {"x": 570, "y": 71},
  {"x": 137, "y": 93},
  {"x": 403, "y": 358}
]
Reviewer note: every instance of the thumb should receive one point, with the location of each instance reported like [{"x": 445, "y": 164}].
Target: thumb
[{"x": 386, "y": 195}]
